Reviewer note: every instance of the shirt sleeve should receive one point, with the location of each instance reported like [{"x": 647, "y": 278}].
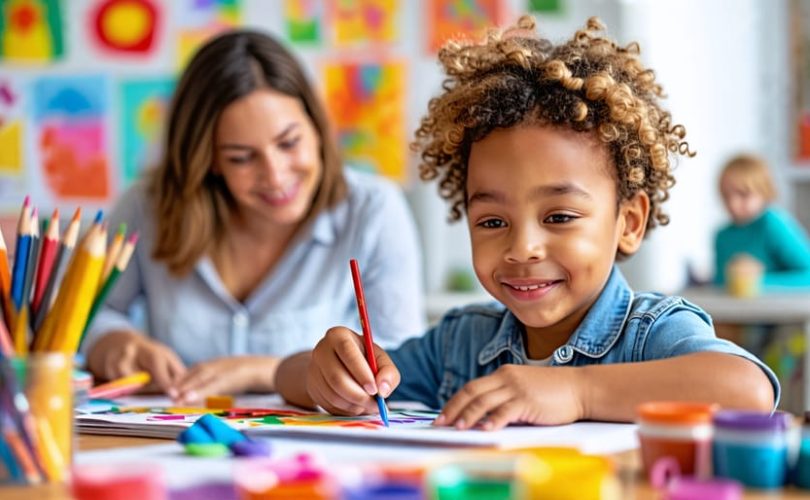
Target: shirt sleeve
[
  {"x": 688, "y": 330},
  {"x": 114, "y": 314},
  {"x": 392, "y": 275},
  {"x": 789, "y": 245},
  {"x": 420, "y": 361}
]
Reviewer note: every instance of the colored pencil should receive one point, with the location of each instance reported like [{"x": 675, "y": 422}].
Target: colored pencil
[
  {"x": 6, "y": 347},
  {"x": 120, "y": 266},
  {"x": 368, "y": 340},
  {"x": 121, "y": 386},
  {"x": 60, "y": 266},
  {"x": 21, "y": 253},
  {"x": 5, "y": 283},
  {"x": 112, "y": 253},
  {"x": 49, "y": 250},
  {"x": 79, "y": 300}
]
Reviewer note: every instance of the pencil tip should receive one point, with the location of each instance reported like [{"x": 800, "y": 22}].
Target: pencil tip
[{"x": 99, "y": 215}]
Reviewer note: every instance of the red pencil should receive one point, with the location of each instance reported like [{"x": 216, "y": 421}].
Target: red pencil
[
  {"x": 47, "y": 256},
  {"x": 368, "y": 341}
]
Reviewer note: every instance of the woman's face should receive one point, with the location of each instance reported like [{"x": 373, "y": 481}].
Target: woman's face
[{"x": 268, "y": 153}]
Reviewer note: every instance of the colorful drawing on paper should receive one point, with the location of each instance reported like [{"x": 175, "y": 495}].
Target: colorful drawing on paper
[
  {"x": 364, "y": 22},
  {"x": 460, "y": 18},
  {"x": 200, "y": 20},
  {"x": 69, "y": 118},
  {"x": 11, "y": 128},
  {"x": 125, "y": 26},
  {"x": 144, "y": 105},
  {"x": 31, "y": 30},
  {"x": 367, "y": 104},
  {"x": 303, "y": 20}
]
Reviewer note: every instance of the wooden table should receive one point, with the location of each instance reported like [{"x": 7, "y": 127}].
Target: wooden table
[
  {"x": 634, "y": 484},
  {"x": 775, "y": 308}
]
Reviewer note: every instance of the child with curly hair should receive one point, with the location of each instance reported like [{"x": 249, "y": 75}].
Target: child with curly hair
[
  {"x": 559, "y": 156},
  {"x": 759, "y": 234}
]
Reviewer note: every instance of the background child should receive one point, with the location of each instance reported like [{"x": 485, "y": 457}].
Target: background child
[
  {"x": 559, "y": 157},
  {"x": 758, "y": 231}
]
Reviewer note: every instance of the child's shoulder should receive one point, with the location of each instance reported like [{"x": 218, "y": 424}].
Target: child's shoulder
[{"x": 654, "y": 305}]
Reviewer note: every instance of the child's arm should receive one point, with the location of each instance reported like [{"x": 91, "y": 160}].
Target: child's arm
[
  {"x": 337, "y": 375},
  {"x": 791, "y": 248},
  {"x": 611, "y": 392}
]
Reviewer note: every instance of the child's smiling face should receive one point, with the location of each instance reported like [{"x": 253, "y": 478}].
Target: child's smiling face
[{"x": 545, "y": 224}]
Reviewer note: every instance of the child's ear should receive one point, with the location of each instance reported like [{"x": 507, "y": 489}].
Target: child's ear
[{"x": 633, "y": 214}]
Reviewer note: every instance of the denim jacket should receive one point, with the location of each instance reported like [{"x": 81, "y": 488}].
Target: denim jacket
[{"x": 620, "y": 327}]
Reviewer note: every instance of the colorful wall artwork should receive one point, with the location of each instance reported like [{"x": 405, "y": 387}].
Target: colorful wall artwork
[
  {"x": 303, "y": 21},
  {"x": 144, "y": 106},
  {"x": 31, "y": 30},
  {"x": 11, "y": 128},
  {"x": 125, "y": 26},
  {"x": 365, "y": 22},
  {"x": 367, "y": 104},
  {"x": 71, "y": 136},
  {"x": 199, "y": 20},
  {"x": 453, "y": 18}
]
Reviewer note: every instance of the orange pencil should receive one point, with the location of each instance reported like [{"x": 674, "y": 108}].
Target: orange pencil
[{"x": 5, "y": 282}]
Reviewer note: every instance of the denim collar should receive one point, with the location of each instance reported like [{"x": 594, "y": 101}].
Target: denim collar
[{"x": 595, "y": 335}]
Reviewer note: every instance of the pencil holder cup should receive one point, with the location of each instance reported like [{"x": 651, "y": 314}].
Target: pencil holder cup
[
  {"x": 803, "y": 462},
  {"x": 752, "y": 447},
  {"x": 37, "y": 393},
  {"x": 679, "y": 430},
  {"x": 744, "y": 278}
]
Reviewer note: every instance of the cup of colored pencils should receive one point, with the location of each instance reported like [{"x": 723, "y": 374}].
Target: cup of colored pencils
[{"x": 50, "y": 290}]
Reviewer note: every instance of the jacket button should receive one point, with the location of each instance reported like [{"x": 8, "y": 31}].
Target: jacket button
[{"x": 564, "y": 354}]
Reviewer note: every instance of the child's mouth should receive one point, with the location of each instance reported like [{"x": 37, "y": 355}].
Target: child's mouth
[{"x": 531, "y": 291}]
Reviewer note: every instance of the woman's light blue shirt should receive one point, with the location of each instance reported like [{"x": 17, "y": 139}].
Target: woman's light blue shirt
[{"x": 309, "y": 290}]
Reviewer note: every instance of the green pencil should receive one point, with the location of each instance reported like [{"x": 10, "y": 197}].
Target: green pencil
[{"x": 119, "y": 267}]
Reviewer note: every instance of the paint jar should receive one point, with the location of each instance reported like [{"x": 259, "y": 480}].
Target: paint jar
[
  {"x": 803, "y": 462},
  {"x": 751, "y": 447},
  {"x": 573, "y": 476},
  {"x": 486, "y": 476},
  {"x": 39, "y": 433},
  {"x": 680, "y": 430},
  {"x": 118, "y": 482},
  {"x": 300, "y": 478},
  {"x": 666, "y": 478}
]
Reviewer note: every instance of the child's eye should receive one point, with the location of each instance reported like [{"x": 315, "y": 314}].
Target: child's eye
[
  {"x": 492, "y": 223},
  {"x": 289, "y": 143},
  {"x": 559, "y": 218},
  {"x": 240, "y": 160}
]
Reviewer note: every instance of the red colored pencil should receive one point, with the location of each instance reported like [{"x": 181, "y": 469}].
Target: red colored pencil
[
  {"x": 368, "y": 341},
  {"x": 47, "y": 257}
]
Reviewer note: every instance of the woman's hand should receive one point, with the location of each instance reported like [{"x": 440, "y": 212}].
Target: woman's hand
[
  {"x": 516, "y": 394},
  {"x": 339, "y": 378},
  {"x": 121, "y": 353},
  {"x": 231, "y": 375}
]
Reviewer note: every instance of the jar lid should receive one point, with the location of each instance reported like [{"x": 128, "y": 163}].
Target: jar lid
[
  {"x": 752, "y": 420},
  {"x": 676, "y": 412}
]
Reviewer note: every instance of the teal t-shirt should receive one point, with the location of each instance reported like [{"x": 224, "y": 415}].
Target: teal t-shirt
[{"x": 777, "y": 240}]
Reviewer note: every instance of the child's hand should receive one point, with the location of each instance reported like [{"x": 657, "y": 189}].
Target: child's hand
[
  {"x": 339, "y": 378},
  {"x": 230, "y": 375},
  {"x": 516, "y": 394},
  {"x": 121, "y": 353}
]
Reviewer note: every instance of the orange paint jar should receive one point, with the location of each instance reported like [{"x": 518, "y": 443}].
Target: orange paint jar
[{"x": 680, "y": 430}]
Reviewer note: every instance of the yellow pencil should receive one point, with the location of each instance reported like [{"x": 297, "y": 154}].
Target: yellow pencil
[
  {"x": 112, "y": 253},
  {"x": 73, "y": 315}
]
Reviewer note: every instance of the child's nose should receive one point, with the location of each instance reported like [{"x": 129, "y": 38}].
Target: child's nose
[{"x": 527, "y": 244}]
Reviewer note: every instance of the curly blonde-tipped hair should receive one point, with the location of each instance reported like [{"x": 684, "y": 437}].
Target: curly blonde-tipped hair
[{"x": 588, "y": 84}]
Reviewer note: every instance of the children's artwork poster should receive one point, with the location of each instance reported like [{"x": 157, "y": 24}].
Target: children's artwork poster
[
  {"x": 545, "y": 6},
  {"x": 461, "y": 18},
  {"x": 125, "y": 26},
  {"x": 801, "y": 15},
  {"x": 365, "y": 22},
  {"x": 367, "y": 104},
  {"x": 303, "y": 21},
  {"x": 12, "y": 142},
  {"x": 200, "y": 20},
  {"x": 144, "y": 110},
  {"x": 31, "y": 31},
  {"x": 71, "y": 136}
]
